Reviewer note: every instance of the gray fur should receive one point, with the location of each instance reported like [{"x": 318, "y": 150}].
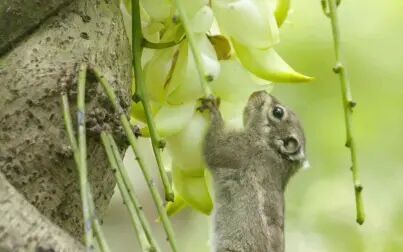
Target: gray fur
[{"x": 250, "y": 170}]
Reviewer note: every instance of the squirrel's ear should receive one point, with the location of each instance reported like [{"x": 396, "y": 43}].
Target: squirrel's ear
[{"x": 291, "y": 147}]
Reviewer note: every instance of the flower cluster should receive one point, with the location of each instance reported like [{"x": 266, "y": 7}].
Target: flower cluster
[{"x": 235, "y": 39}]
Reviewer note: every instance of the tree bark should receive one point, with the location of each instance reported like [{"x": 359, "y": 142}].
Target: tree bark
[
  {"x": 21, "y": 17},
  {"x": 23, "y": 228},
  {"x": 35, "y": 156}
]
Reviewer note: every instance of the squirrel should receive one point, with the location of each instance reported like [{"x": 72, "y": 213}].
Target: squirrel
[{"x": 250, "y": 170}]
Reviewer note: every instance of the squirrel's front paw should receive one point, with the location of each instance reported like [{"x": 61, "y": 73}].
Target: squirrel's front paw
[{"x": 211, "y": 103}]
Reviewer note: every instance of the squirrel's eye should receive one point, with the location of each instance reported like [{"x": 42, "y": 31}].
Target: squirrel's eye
[{"x": 278, "y": 112}]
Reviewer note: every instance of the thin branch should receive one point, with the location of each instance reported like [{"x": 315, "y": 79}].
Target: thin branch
[
  {"x": 69, "y": 127},
  {"x": 348, "y": 105},
  {"x": 145, "y": 170},
  {"x": 151, "y": 45},
  {"x": 82, "y": 146},
  {"x": 132, "y": 196},
  {"x": 204, "y": 76},
  {"x": 99, "y": 235},
  {"x": 113, "y": 157},
  {"x": 141, "y": 95}
]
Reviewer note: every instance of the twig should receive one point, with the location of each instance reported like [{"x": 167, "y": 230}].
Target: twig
[
  {"x": 69, "y": 127},
  {"x": 348, "y": 105},
  {"x": 99, "y": 235},
  {"x": 113, "y": 157},
  {"x": 151, "y": 45},
  {"x": 133, "y": 199},
  {"x": 133, "y": 143},
  {"x": 141, "y": 95},
  {"x": 204, "y": 77},
  {"x": 82, "y": 146}
]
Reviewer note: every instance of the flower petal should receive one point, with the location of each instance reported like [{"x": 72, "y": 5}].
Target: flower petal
[
  {"x": 186, "y": 146},
  {"x": 171, "y": 119},
  {"x": 157, "y": 9},
  {"x": 267, "y": 64},
  {"x": 156, "y": 73},
  {"x": 185, "y": 83},
  {"x": 281, "y": 11},
  {"x": 202, "y": 20},
  {"x": 192, "y": 6},
  {"x": 235, "y": 83},
  {"x": 151, "y": 32},
  {"x": 250, "y": 22},
  {"x": 222, "y": 46},
  {"x": 137, "y": 110},
  {"x": 176, "y": 206},
  {"x": 193, "y": 190}
]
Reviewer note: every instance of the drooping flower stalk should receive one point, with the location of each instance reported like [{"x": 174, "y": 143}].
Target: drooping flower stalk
[
  {"x": 133, "y": 143},
  {"x": 99, "y": 235},
  {"x": 115, "y": 165},
  {"x": 330, "y": 10},
  {"x": 140, "y": 95},
  {"x": 204, "y": 77}
]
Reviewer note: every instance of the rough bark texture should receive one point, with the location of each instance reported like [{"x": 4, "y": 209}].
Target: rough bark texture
[
  {"x": 35, "y": 156},
  {"x": 27, "y": 229},
  {"x": 20, "y": 17}
]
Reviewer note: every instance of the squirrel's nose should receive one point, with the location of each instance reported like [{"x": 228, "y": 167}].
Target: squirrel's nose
[
  {"x": 257, "y": 94},
  {"x": 260, "y": 95}
]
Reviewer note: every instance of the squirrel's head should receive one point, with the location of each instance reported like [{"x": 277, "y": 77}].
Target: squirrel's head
[{"x": 277, "y": 125}]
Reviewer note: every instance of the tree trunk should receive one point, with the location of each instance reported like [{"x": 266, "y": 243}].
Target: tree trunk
[
  {"x": 23, "y": 228},
  {"x": 41, "y": 46}
]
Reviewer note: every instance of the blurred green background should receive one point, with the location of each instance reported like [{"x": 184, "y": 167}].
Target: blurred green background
[{"x": 320, "y": 211}]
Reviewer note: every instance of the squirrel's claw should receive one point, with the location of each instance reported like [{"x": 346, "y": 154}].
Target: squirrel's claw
[{"x": 211, "y": 103}]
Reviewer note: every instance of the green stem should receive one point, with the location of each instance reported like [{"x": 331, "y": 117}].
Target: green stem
[
  {"x": 151, "y": 45},
  {"x": 133, "y": 143},
  {"x": 141, "y": 95},
  {"x": 69, "y": 127},
  {"x": 204, "y": 76},
  {"x": 99, "y": 234},
  {"x": 133, "y": 199},
  {"x": 348, "y": 105},
  {"x": 113, "y": 157},
  {"x": 103, "y": 245},
  {"x": 82, "y": 146}
]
